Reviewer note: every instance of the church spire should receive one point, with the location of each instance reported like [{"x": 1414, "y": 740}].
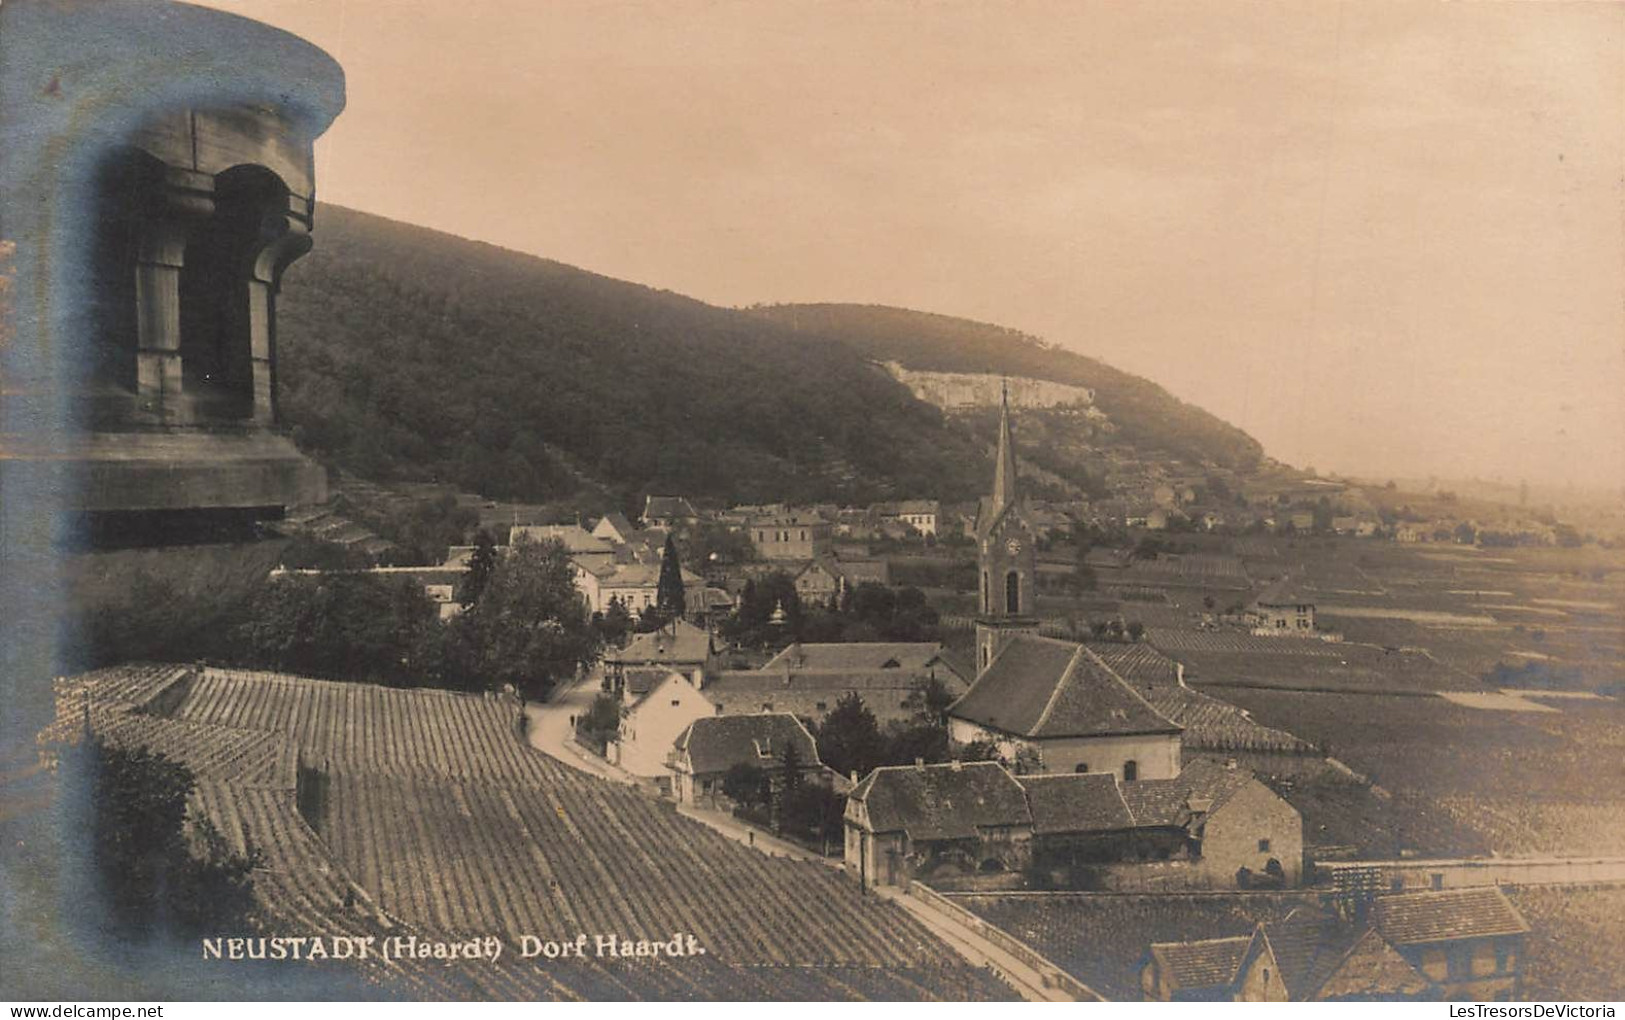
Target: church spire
[{"x": 1004, "y": 468}]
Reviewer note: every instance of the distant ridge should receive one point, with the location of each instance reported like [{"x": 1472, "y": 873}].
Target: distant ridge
[
  {"x": 407, "y": 354},
  {"x": 1147, "y": 416}
]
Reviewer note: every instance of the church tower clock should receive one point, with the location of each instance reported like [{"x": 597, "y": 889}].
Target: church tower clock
[{"x": 1007, "y": 560}]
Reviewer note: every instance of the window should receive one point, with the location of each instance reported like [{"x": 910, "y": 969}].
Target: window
[
  {"x": 822, "y": 706},
  {"x": 1012, "y": 592},
  {"x": 1131, "y": 771},
  {"x": 767, "y": 706},
  {"x": 1263, "y": 846},
  {"x": 1081, "y": 767},
  {"x": 1436, "y": 880},
  {"x": 1503, "y": 956},
  {"x": 675, "y": 702},
  {"x": 987, "y": 603},
  {"x": 719, "y": 708}
]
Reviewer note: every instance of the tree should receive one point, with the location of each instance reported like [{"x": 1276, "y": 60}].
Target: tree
[
  {"x": 530, "y": 627},
  {"x": 746, "y": 785},
  {"x": 601, "y": 723},
  {"x": 480, "y": 567},
  {"x": 669, "y": 595},
  {"x": 849, "y": 739},
  {"x": 1136, "y": 630},
  {"x": 347, "y": 626},
  {"x": 160, "y": 872},
  {"x": 790, "y": 766},
  {"x": 614, "y": 623}
]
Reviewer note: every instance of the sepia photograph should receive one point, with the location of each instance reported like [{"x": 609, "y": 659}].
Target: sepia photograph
[{"x": 812, "y": 500}]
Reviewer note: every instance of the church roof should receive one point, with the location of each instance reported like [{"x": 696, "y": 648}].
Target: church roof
[{"x": 1042, "y": 688}]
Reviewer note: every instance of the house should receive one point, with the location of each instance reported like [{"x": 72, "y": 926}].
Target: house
[
  {"x": 708, "y": 747},
  {"x": 1281, "y": 610},
  {"x": 792, "y": 535},
  {"x": 668, "y": 512},
  {"x": 614, "y": 528},
  {"x": 651, "y": 723},
  {"x": 818, "y": 583},
  {"x": 677, "y": 647},
  {"x": 576, "y": 540},
  {"x": 636, "y": 585},
  {"x": 922, "y": 515},
  {"x": 856, "y": 570},
  {"x": 1460, "y": 944},
  {"x": 809, "y": 679},
  {"x": 1056, "y": 704},
  {"x": 1469, "y": 942},
  {"x": 439, "y": 584},
  {"x": 1196, "y": 831},
  {"x": 906, "y": 820}
]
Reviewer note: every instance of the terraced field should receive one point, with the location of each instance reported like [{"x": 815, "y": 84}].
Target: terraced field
[{"x": 440, "y": 822}]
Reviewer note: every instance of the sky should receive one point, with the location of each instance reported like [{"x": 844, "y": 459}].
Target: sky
[{"x": 1383, "y": 238}]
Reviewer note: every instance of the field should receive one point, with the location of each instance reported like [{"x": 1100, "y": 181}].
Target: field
[
  {"x": 1518, "y": 782},
  {"x": 1575, "y": 950},
  {"x": 439, "y": 821}
]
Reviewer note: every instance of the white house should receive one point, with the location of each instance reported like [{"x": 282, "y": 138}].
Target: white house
[{"x": 652, "y": 724}]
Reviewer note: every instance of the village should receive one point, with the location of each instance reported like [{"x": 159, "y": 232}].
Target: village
[
  {"x": 1065, "y": 748},
  {"x": 804, "y": 651}
]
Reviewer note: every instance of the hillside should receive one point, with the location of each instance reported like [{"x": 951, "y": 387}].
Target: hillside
[
  {"x": 1147, "y": 416},
  {"x": 406, "y": 354},
  {"x": 410, "y": 354}
]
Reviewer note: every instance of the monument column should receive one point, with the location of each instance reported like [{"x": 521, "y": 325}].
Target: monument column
[
  {"x": 186, "y": 202},
  {"x": 284, "y": 237}
]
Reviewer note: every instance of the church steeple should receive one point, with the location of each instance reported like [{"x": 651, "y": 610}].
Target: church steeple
[
  {"x": 1006, "y": 541},
  {"x": 1004, "y": 466}
]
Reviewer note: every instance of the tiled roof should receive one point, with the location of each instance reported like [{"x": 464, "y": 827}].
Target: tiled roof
[
  {"x": 1043, "y": 688},
  {"x": 855, "y": 655},
  {"x": 949, "y": 801},
  {"x": 1208, "y": 963},
  {"x": 1076, "y": 803},
  {"x": 1407, "y": 919},
  {"x": 667, "y": 506},
  {"x": 1309, "y": 946},
  {"x": 640, "y": 681},
  {"x": 1168, "y": 801},
  {"x": 1137, "y": 662},
  {"x": 643, "y": 575},
  {"x": 617, "y": 520},
  {"x": 679, "y": 641},
  {"x": 1372, "y": 970},
  {"x": 573, "y": 537},
  {"x": 715, "y": 743}
]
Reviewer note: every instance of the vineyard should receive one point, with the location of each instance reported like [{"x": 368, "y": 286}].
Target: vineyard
[
  {"x": 1576, "y": 951},
  {"x": 438, "y": 821},
  {"x": 1521, "y": 783}
]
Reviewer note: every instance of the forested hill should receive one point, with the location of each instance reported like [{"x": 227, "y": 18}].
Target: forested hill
[
  {"x": 1147, "y": 416},
  {"x": 409, "y": 354}
]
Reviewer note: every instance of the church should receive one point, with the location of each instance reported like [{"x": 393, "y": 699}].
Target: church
[{"x": 1048, "y": 706}]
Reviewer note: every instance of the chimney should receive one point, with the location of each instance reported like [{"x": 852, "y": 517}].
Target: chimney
[
  {"x": 854, "y": 777},
  {"x": 1230, "y": 764},
  {"x": 957, "y": 765},
  {"x": 919, "y": 763}
]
